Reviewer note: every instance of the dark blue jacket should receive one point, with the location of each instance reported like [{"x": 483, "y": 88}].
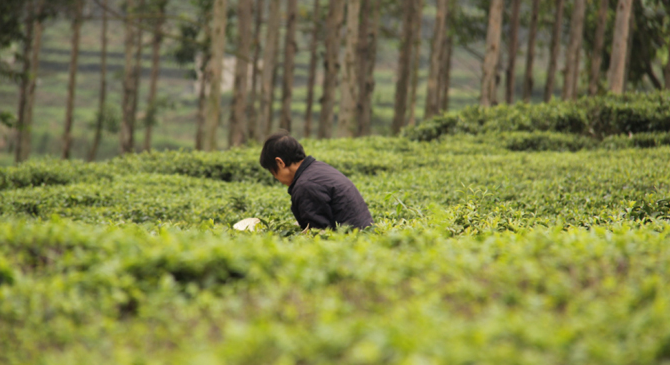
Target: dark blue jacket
[{"x": 323, "y": 197}]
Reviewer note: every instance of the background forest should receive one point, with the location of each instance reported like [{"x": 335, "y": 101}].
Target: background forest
[{"x": 75, "y": 83}]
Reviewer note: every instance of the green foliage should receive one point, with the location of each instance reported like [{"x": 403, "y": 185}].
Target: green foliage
[
  {"x": 592, "y": 116},
  {"x": 479, "y": 255}
]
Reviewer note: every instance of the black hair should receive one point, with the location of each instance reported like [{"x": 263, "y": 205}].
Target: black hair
[{"x": 281, "y": 145}]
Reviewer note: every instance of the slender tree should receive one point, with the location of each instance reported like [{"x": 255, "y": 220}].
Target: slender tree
[
  {"x": 530, "y": 52},
  {"x": 570, "y": 81},
  {"x": 404, "y": 67},
  {"x": 252, "y": 113},
  {"x": 273, "y": 88},
  {"x": 331, "y": 66},
  {"x": 619, "y": 46},
  {"x": 349, "y": 88},
  {"x": 72, "y": 81},
  {"x": 269, "y": 59},
  {"x": 218, "y": 44},
  {"x": 313, "y": 59},
  {"x": 436, "y": 60},
  {"x": 102, "y": 97},
  {"x": 666, "y": 69},
  {"x": 137, "y": 72},
  {"x": 445, "y": 73},
  {"x": 554, "y": 50},
  {"x": 290, "y": 48},
  {"x": 599, "y": 44},
  {"x": 126, "y": 134},
  {"x": 22, "y": 128},
  {"x": 201, "y": 117},
  {"x": 367, "y": 54},
  {"x": 156, "y": 43},
  {"x": 629, "y": 54},
  {"x": 238, "y": 117},
  {"x": 513, "y": 49},
  {"x": 38, "y": 26},
  {"x": 492, "y": 53},
  {"x": 416, "y": 52}
]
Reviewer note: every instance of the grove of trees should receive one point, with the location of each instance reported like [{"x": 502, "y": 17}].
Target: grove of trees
[{"x": 591, "y": 47}]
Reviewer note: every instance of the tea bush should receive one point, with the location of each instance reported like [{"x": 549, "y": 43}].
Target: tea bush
[
  {"x": 479, "y": 254},
  {"x": 597, "y": 117}
]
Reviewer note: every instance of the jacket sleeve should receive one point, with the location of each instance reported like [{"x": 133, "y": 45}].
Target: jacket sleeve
[{"x": 311, "y": 206}]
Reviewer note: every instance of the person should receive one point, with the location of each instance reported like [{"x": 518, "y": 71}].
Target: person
[{"x": 321, "y": 196}]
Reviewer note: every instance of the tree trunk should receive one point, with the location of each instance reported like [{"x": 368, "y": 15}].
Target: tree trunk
[
  {"x": 25, "y": 140},
  {"x": 22, "y": 129},
  {"x": 72, "y": 82},
  {"x": 269, "y": 60},
  {"x": 555, "y": 49},
  {"x": 367, "y": 55},
  {"x": 570, "y": 81},
  {"x": 404, "y": 67},
  {"x": 436, "y": 60},
  {"x": 349, "y": 89},
  {"x": 252, "y": 113},
  {"x": 103, "y": 85},
  {"x": 331, "y": 66},
  {"x": 629, "y": 48},
  {"x": 273, "y": 88},
  {"x": 666, "y": 70},
  {"x": 530, "y": 52},
  {"x": 312, "y": 68},
  {"x": 492, "y": 52},
  {"x": 218, "y": 44},
  {"x": 201, "y": 118},
  {"x": 137, "y": 76},
  {"x": 290, "y": 48},
  {"x": 597, "y": 57},
  {"x": 127, "y": 127},
  {"x": 238, "y": 117},
  {"x": 445, "y": 73},
  {"x": 619, "y": 46},
  {"x": 150, "y": 118},
  {"x": 418, "y": 17},
  {"x": 513, "y": 49}
]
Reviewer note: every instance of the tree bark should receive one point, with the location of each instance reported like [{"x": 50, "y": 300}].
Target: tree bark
[
  {"x": 331, "y": 66},
  {"x": 629, "y": 48},
  {"x": 349, "y": 88},
  {"x": 72, "y": 82},
  {"x": 137, "y": 75},
  {"x": 367, "y": 55},
  {"x": 599, "y": 44},
  {"x": 436, "y": 60},
  {"x": 103, "y": 86},
  {"x": 150, "y": 118},
  {"x": 666, "y": 70},
  {"x": 25, "y": 140},
  {"x": 530, "y": 52},
  {"x": 252, "y": 112},
  {"x": 238, "y": 117},
  {"x": 555, "y": 49},
  {"x": 218, "y": 39},
  {"x": 127, "y": 127},
  {"x": 201, "y": 118},
  {"x": 269, "y": 59},
  {"x": 513, "y": 49},
  {"x": 445, "y": 73},
  {"x": 404, "y": 67},
  {"x": 418, "y": 17},
  {"x": 273, "y": 88},
  {"x": 290, "y": 48},
  {"x": 313, "y": 59},
  {"x": 619, "y": 46},
  {"x": 22, "y": 128},
  {"x": 492, "y": 52},
  {"x": 570, "y": 81}
]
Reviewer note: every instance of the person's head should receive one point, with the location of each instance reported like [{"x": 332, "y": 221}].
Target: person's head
[{"x": 281, "y": 156}]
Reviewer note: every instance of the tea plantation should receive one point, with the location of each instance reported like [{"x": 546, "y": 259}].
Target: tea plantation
[{"x": 481, "y": 254}]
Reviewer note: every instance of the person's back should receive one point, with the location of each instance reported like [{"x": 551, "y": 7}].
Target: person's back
[{"x": 321, "y": 196}]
